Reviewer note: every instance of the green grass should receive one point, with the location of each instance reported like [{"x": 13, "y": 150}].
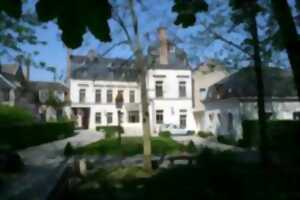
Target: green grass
[{"x": 130, "y": 146}]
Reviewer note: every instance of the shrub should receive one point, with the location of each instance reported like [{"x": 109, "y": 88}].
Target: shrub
[
  {"x": 191, "y": 147},
  {"x": 14, "y": 115},
  {"x": 69, "y": 149},
  {"x": 166, "y": 134},
  {"x": 22, "y": 136},
  {"x": 226, "y": 140},
  {"x": 110, "y": 131},
  {"x": 204, "y": 134}
]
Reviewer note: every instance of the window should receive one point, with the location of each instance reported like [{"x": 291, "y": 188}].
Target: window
[
  {"x": 109, "y": 97},
  {"x": 133, "y": 116},
  {"x": 296, "y": 115},
  {"x": 98, "y": 118},
  {"x": 159, "y": 89},
  {"x": 182, "y": 89},
  {"x": 131, "y": 96},
  {"x": 109, "y": 117},
  {"x": 98, "y": 96},
  {"x": 159, "y": 116},
  {"x": 202, "y": 93},
  {"x": 182, "y": 121},
  {"x": 82, "y": 95}
]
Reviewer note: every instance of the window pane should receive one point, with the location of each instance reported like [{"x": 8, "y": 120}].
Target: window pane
[
  {"x": 98, "y": 118},
  {"x": 159, "y": 117},
  {"x": 109, "y": 96},
  {"x": 98, "y": 96},
  {"x": 82, "y": 95},
  {"x": 158, "y": 88},
  {"x": 133, "y": 116},
  {"x": 109, "y": 118},
  {"x": 132, "y": 96},
  {"x": 182, "y": 89},
  {"x": 182, "y": 122}
]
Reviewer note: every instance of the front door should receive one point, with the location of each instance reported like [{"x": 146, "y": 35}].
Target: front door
[{"x": 82, "y": 117}]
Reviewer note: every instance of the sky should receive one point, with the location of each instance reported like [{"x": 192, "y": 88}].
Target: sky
[
  {"x": 155, "y": 13},
  {"x": 55, "y": 53}
]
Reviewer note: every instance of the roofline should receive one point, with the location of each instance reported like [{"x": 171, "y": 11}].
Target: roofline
[
  {"x": 93, "y": 80},
  {"x": 252, "y": 99}
]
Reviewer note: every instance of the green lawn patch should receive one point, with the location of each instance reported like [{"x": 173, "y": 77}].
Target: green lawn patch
[{"x": 130, "y": 146}]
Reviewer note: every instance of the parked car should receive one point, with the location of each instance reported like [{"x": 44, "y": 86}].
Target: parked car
[{"x": 174, "y": 130}]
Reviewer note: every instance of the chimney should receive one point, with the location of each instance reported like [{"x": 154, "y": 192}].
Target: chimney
[
  {"x": 163, "y": 49},
  {"x": 92, "y": 55},
  {"x": 27, "y": 73}
]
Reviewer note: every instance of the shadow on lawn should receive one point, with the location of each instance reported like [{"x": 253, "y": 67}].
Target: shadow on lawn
[{"x": 217, "y": 175}]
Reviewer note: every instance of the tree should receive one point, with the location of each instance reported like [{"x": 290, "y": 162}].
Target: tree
[
  {"x": 244, "y": 12},
  {"x": 289, "y": 35}
]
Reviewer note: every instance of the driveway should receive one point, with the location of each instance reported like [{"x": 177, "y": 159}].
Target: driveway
[{"x": 43, "y": 166}]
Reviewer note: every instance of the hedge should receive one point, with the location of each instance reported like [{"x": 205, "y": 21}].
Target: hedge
[
  {"x": 283, "y": 135},
  {"x": 10, "y": 115},
  {"x": 110, "y": 131},
  {"x": 21, "y": 136}
]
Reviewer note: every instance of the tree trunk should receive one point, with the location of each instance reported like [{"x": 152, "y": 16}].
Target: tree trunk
[
  {"x": 287, "y": 27},
  {"x": 141, "y": 66},
  {"x": 260, "y": 89}
]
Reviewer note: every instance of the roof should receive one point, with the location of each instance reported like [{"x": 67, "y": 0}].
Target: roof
[
  {"x": 40, "y": 85},
  {"x": 4, "y": 83},
  {"x": 9, "y": 68},
  {"x": 242, "y": 84},
  {"x": 177, "y": 57},
  {"x": 100, "y": 68}
]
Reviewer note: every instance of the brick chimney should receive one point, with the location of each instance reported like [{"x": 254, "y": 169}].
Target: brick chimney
[{"x": 163, "y": 49}]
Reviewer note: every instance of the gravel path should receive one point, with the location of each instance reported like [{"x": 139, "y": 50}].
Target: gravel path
[{"x": 43, "y": 166}]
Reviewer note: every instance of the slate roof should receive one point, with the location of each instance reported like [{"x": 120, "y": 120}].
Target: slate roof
[
  {"x": 39, "y": 85},
  {"x": 242, "y": 84},
  {"x": 177, "y": 58},
  {"x": 100, "y": 68}
]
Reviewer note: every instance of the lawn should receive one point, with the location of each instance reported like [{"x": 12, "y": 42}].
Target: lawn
[{"x": 130, "y": 146}]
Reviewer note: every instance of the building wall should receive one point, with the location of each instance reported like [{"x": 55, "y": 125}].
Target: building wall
[
  {"x": 241, "y": 111},
  {"x": 170, "y": 103},
  {"x": 203, "y": 78}
]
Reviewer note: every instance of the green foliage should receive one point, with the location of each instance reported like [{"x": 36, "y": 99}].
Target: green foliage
[
  {"x": 69, "y": 149},
  {"x": 26, "y": 135},
  {"x": 187, "y": 11},
  {"x": 282, "y": 134},
  {"x": 224, "y": 139},
  {"x": 110, "y": 131},
  {"x": 166, "y": 134},
  {"x": 75, "y": 18},
  {"x": 191, "y": 147},
  {"x": 13, "y": 8},
  {"x": 130, "y": 146},
  {"x": 205, "y": 134},
  {"x": 13, "y": 115}
]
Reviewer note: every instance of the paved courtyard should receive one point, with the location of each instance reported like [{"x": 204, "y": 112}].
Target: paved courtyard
[{"x": 43, "y": 166}]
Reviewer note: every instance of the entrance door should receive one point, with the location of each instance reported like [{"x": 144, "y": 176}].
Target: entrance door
[{"x": 83, "y": 116}]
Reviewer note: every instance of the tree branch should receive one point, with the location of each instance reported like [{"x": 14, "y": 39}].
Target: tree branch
[{"x": 114, "y": 46}]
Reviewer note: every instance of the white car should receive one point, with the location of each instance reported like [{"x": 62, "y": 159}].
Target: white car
[{"x": 174, "y": 130}]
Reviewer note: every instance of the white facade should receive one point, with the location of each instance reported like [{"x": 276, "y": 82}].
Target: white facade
[
  {"x": 203, "y": 78},
  {"x": 225, "y": 116},
  {"x": 170, "y": 105}
]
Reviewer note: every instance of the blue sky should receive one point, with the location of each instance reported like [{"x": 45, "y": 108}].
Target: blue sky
[{"x": 158, "y": 14}]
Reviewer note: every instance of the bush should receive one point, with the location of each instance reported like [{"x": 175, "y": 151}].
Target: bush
[
  {"x": 22, "y": 136},
  {"x": 166, "y": 134},
  {"x": 191, "y": 147},
  {"x": 111, "y": 131},
  {"x": 226, "y": 140},
  {"x": 13, "y": 115},
  {"x": 69, "y": 149},
  {"x": 204, "y": 134}
]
